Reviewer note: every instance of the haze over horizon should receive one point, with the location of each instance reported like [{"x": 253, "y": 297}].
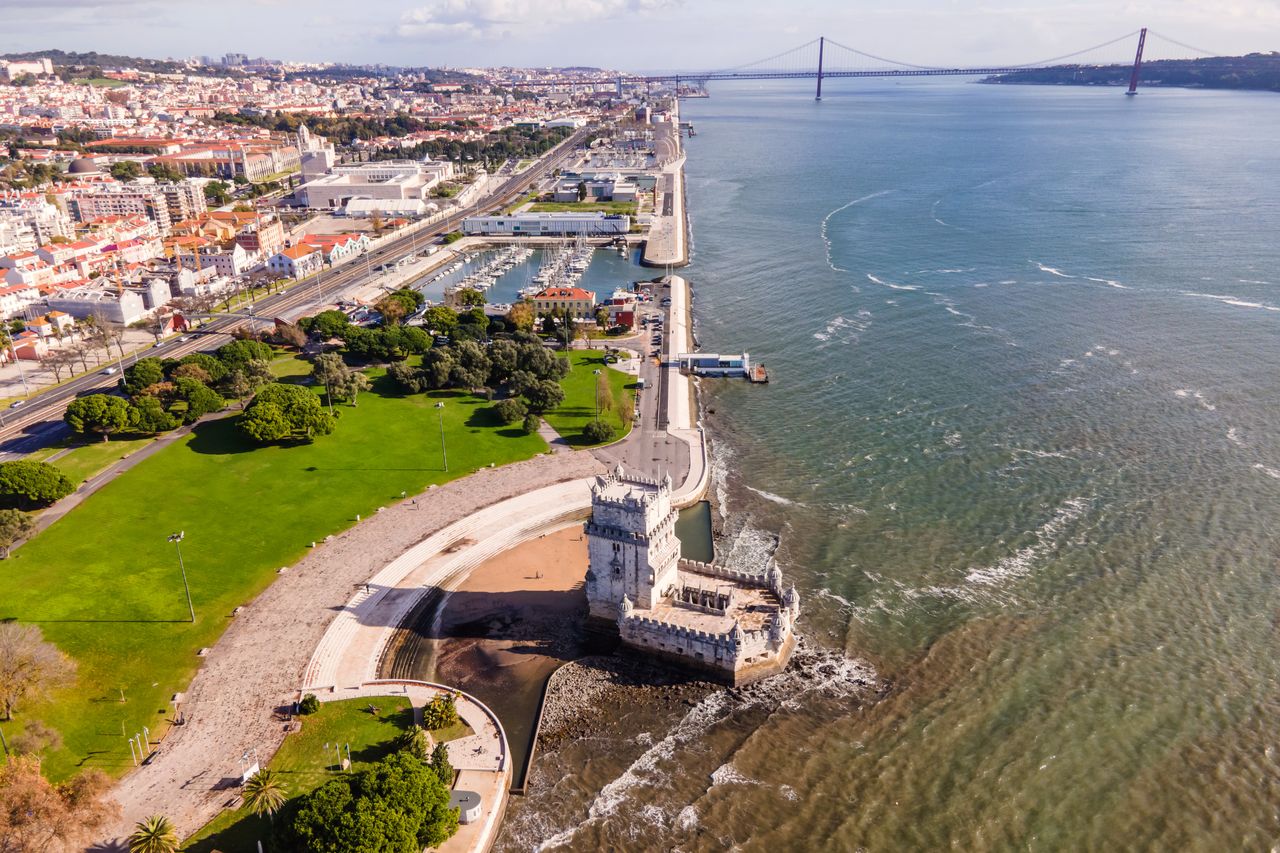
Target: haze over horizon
[{"x": 624, "y": 34}]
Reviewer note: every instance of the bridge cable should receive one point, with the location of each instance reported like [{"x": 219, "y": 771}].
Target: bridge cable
[
  {"x": 1057, "y": 59},
  {"x": 881, "y": 58},
  {"x": 766, "y": 59},
  {"x": 1163, "y": 37}
]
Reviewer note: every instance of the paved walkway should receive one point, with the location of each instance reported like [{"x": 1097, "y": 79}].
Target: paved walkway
[{"x": 258, "y": 664}]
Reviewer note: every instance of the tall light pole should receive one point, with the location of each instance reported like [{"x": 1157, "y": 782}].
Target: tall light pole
[
  {"x": 596, "y": 374},
  {"x": 444, "y": 453},
  {"x": 176, "y": 539}
]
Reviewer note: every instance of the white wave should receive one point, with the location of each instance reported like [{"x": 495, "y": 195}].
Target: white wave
[
  {"x": 891, "y": 285},
  {"x": 826, "y": 593},
  {"x": 1108, "y": 281},
  {"x": 841, "y": 323},
  {"x": 1050, "y": 270},
  {"x": 982, "y": 284},
  {"x": 952, "y": 439},
  {"x": 1021, "y": 562},
  {"x": 1270, "y": 472},
  {"x": 727, "y": 774},
  {"x": 1009, "y": 281},
  {"x": 1251, "y": 281},
  {"x": 1233, "y": 436},
  {"x": 1188, "y": 393},
  {"x": 822, "y": 229},
  {"x": 1042, "y": 454},
  {"x": 645, "y": 768},
  {"x": 770, "y": 496},
  {"x": 933, "y": 211},
  {"x": 1232, "y": 300}
]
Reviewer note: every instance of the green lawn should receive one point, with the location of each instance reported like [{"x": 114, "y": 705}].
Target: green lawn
[
  {"x": 103, "y": 583},
  {"x": 304, "y": 763},
  {"x": 102, "y": 82},
  {"x": 89, "y": 459},
  {"x": 624, "y": 207},
  {"x": 579, "y": 406}
]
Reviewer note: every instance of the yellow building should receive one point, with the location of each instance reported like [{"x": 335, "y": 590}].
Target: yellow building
[{"x": 579, "y": 303}]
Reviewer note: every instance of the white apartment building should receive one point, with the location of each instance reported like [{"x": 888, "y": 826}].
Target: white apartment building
[{"x": 126, "y": 200}]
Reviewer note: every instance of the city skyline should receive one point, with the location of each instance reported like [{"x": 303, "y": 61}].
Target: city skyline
[{"x": 620, "y": 33}]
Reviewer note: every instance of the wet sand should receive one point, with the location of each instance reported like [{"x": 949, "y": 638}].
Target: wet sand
[{"x": 508, "y": 625}]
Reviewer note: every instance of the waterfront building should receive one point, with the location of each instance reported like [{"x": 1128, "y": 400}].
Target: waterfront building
[
  {"x": 594, "y": 224},
  {"x": 733, "y": 625},
  {"x": 577, "y": 303},
  {"x": 715, "y": 364}
]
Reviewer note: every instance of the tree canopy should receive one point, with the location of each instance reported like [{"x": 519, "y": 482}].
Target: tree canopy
[
  {"x": 103, "y": 414},
  {"x": 27, "y": 485},
  {"x": 281, "y": 412}
]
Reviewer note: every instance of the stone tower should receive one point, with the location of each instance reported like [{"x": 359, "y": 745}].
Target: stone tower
[{"x": 632, "y": 544}]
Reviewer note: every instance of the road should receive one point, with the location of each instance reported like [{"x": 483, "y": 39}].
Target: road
[{"x": 39, "y": 422}]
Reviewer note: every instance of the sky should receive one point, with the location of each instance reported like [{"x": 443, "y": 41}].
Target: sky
[{"x": 633, "y": 35}]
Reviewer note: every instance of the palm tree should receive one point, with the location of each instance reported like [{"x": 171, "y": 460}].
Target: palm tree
[
  {"x": 264, "y": 794},
  {"x": 154, "y": 835}
]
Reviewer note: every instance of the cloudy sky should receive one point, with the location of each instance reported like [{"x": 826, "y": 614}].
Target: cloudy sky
[{"x": 628, "y": 34}]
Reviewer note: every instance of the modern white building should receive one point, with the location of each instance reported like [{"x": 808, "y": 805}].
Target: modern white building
[
  {"x": 548, "y": 225},
  {"x": 387, "y": 179},
  {"x": 125, "y": 308}
]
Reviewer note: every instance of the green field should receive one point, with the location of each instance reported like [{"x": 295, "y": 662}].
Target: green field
[
  {"x": 579, "y": 406},
  {"x": 627, "y": 208},
  {"x": 304, "y": 763},
  {"x": 103, "y": 583},
  {"x": 102, "y": 82},
  {"x": 86, "y": 460}
]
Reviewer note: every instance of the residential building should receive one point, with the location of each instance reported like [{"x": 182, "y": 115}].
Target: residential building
[
  {"x": 548, "y": 225},
  {"x": 184, "y": 199},
  {"x": 334, "y": 247},
  {"x": 296, "y": 261},
  {"x": 579, "y": 303},
  {"x": 263, "y": 237},
  {"x": 121, "y": 200}
]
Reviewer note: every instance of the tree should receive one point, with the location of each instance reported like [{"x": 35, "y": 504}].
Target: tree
[
  {"x": 544, "y": 395},
  {"x": 511, "y": 410},
  {"x": 354, "y": 384},
  {"x": 237, "y": 354},
  {"x": 440, "y": 765},
  {"x": 29, "y": 667},
  {"x": 291, "y": 335},
  {"x": 201, "y": 399},
  {"x": 264, "y": 793},
  {"x": 309, "y": 704},
  {"x": 399, "y": 806},
  {"x": 265, "y": 422},
  {"x": 326, "y": 324},
  {"x": 598, "y": 432},
  {"x": 101, "y": 413},
  {"x": 472, "y": 368},
  {"x": 469, "y": 297},
  {"x": 15, "y": 525},
  {"x": 214, "y": 369},
  {"x": 35, "y": 815},
  {"x": 416, "y": 742},
  {"x": 191, "y": 371},
  {"x": 582, "y": 191},
  {"x": 148, "y": 371},
  {"x": 521, "y": 316},
  {"x": 147, "y": 416},
  {"x": 58, "y": 360},
  {"x": 285, "y": 411},
  {"x": 437, "y": 367},
  {"x": 440, "y": 319},
  {"x": 125, "y": 170},
  {"x": 604, "y": 393},
  {"x": 408, "y": 377},
  {"x": 531, "y": 423},
  {"x": 330, "y": 371},
  {"x": 27, "y": 485},
  {"x": 217, "y": 192},
  {"x": 154, "y": 835}
]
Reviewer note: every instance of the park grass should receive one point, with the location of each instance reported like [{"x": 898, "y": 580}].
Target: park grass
[
  {"x": 103, "y": 584},
  {"x": 627, "y": 208},
  {"x": 579, "y": 406},
  {"x": 305, "y": 761},
  {"x": 88, "y": 460}
]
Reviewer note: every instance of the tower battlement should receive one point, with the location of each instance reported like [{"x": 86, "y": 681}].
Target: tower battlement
[{"x": 735, "y": 625}]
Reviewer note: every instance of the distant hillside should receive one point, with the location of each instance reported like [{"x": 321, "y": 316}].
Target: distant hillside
[
  {"x": 93, "y": 59},
  {"x": 1260, "y": 71}
]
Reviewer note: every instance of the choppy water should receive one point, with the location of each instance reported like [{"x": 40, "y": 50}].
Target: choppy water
[{"x": 1022, "y": 449}]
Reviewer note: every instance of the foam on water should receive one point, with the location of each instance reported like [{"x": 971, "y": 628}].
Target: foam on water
[
  {"x": 770, "y": 496},
  {"x": 1231, "y": 300},
  {"x": 1108, "y": 281},
  {"x": 1269, "y": 471},
  {"x": 1022, "y": 561},
  {"x": 1050, "y": 270},
  {"x": 891, "y": 285},
  {"x": 826, "y": 220}
]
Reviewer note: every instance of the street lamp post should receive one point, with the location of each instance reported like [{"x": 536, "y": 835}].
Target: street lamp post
[
  {"x": 596, "y": 374},
  {"x": 176, "y": 539},
  {"x": 444, "y": 453}
]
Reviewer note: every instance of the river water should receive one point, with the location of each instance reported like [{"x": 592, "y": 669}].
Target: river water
[{"x": 1021, "y": 452}]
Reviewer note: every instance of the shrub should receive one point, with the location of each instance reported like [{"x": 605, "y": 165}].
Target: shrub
[
  {"x": 531, "y": 422},
  {"x": 440, "y": 713},
  {"x": 598, "y": 432},
  {"x": 309, "y": 704},
  {"x": 511, "y": 410}
]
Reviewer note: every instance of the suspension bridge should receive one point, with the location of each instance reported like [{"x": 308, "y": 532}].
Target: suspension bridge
[{"x": 826, "y": 59}]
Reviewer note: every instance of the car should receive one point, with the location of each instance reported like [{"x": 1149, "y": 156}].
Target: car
[
  {"x": 111, "y": 371},
  {"x": 184, "y": 339},
  {"x": 17, "y": 404}
]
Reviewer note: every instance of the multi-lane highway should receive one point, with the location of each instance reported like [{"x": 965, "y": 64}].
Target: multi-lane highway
[{"x": 39, "y": 421}]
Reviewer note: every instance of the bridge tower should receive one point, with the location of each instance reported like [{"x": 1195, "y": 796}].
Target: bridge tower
[
  {"x": 822, "y": 43},
  {"x": 1137, "y": 63}
]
